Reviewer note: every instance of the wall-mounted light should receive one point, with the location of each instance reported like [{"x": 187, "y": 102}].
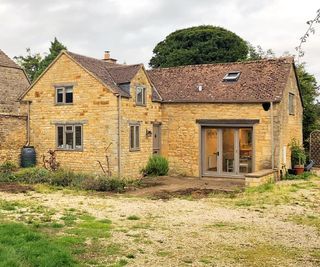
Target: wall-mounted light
[{"x": 148, "y": 133}]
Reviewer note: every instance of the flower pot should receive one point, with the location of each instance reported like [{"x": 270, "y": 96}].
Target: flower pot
[{"x": 299, "y": 169}]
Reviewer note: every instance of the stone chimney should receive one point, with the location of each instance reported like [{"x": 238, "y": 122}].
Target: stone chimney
[{"x": 107, "y": 57}]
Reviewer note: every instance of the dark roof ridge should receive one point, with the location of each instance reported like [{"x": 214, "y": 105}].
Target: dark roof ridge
[
  {"x": 269, "y": 60},
  {"x": 119, "y": 66},
  {"x": 108, "y": 64}
]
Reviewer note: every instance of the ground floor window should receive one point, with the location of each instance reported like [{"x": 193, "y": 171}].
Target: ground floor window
[
  {"x": 69, "y": 137},
  {"x": 134, "y": 137}
]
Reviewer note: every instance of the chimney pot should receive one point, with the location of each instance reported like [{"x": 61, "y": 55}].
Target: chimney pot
[{"x": 107, "y": 57}]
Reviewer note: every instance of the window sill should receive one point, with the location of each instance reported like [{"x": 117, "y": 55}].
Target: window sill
[
  {"x": 69, "y": 150},
  {"x": 63, "y": 104},
  {"x": 134, "y": 150},
  {"x": 141, "y": 105}
]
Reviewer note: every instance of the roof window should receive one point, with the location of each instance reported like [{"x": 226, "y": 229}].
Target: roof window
[{"x": 231, "y": 76}]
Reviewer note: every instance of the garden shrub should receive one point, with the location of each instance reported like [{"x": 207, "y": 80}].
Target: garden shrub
[
  {"x": 156, "y": 166},
  {"x": 64, "y": 178},
  {"x": 7, "y": 177},
  {"x": 8, "y": 167},
  {"x": 102, "y": 183},
  {"x": 33, "y": 175},
  {"x": 302, "y": 176}
]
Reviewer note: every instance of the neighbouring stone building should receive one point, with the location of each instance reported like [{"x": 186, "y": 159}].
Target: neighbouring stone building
[
  {"x": 216, "y": 120},
  {"x": 13, "y": 82}
]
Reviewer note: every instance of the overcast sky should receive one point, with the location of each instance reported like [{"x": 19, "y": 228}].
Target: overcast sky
[{"x": 131, "y": 29}]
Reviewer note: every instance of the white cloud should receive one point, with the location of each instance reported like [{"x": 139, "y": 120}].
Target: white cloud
[{"x": 131, "y": 29}]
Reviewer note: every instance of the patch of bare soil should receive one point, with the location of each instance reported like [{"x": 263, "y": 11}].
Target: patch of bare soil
[
  {"x": 15, "y": 188},
  {"x": 170, "y": 187},
  {"x": 194, "y": 193}
]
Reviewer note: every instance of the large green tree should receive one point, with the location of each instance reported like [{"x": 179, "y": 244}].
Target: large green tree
[
  {"x": 35, "y": 64},
  {"x": 199, "y": 45},
  {"x": 310, "y": 93},
  {"x": 30, "y": 63}
]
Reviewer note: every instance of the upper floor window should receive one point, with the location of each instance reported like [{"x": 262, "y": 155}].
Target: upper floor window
[
  {"x": 291, "y": 104},
  {"x": 140, "y": 96},
  {"x": 69, "y": 137},
  {"x": 64, "y": 95}
]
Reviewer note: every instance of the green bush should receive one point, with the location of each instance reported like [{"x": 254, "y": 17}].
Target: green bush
[
  {"x": 298, "y": 156},
  {"x": 64, "y": 178},
  {"x": 102, "y": 183},
  {"x": 302, "y": 176},
  {"x": 156, "y": 166},
  {"x": 33, "y": 175},
  {"x": 8, "y": 167},
  {"x": 7, "y": 177}
]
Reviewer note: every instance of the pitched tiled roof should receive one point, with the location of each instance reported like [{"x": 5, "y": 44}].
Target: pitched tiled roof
[
  {"x": 259, "y": 81},
  {"x": 13, "y": 82},
  {"x": 5, "y": 61},
  {"x": 109, "y": 73},
  {"x": 123, "y": 73}
]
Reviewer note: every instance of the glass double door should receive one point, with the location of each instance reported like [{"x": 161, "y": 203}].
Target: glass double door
[{"x": 226, "y": 151}]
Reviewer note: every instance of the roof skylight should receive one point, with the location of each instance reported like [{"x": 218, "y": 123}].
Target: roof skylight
[{"x": 231, "y": 76}]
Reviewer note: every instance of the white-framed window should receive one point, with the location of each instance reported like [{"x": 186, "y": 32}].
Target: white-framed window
[
  {"x": 134, "y": 137},
  {"x": 69, "y": 137},
  {"x": 64, "y": 95},
  {"x": 291, "y": 104},
  {"x": 140, "y": 96}
]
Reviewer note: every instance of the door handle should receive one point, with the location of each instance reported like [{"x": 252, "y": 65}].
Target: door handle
[{"x": 217, "y": 153}]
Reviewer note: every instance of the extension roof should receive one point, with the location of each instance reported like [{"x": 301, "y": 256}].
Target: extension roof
[
  {"x": 111, "y": 74},
  {"x": 259, "y": 81},
  {"x": 13, "y": 81}
]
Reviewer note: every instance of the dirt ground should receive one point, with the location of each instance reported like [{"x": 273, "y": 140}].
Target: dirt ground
[
  {"x": 267, "y": 227},
  {"x": 168, "y": 187}
]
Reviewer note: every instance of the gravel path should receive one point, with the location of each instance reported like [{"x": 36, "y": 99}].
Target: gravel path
[{"x": 201, "y": 232}]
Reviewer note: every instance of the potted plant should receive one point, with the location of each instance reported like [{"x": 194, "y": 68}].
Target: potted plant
[{"x": 298, "y": 157}]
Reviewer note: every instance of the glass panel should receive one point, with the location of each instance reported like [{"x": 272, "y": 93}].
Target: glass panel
[
  {"x": 137, "y": 137},
  {"x": 69, "y": 95},
  {"x": 69, "y": 140},
  {"x": 69, "y": 128},
  {"x": 228, "y": 150},
  {"x": 78, "y": 133},
  {"x": 131, "y": 137},
  {"x": 139, "y": 95},
  {"x": 291, "y": 103},
  {"x": 211, "y": 149},
  {"x": 60, "y": 137},
  {"x": 245, "y": 145},
  {"x": 144, "y": 96},
  {"x": 60, "y": 95}
]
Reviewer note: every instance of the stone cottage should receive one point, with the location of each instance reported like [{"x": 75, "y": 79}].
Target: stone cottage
[
  {"x": 13, "y": 82},
  {"x": 216, "y": 120}
]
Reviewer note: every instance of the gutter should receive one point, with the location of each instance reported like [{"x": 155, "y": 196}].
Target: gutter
[
  {"x": 119, "y": 135},
  {"x": 272, "y": 135},
  {"x": 28, "y": 124}
]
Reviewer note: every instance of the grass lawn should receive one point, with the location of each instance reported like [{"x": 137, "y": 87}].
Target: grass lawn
[{"x": 272, "y": 225}]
